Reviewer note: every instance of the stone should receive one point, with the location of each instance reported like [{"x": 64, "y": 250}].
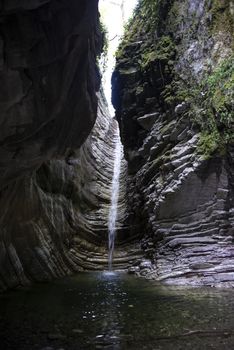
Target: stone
[
  {"x": 176, "y": 217},
  {"x": 33, "y": 76},
  {"x": 181, "y": 108},
  {"x": 129, "y": 76},
  {"x": 145, "y": 264},
  {"x": 133, "y": 269},
  {"x": 59, "y": 169},
  {"x": 147, "y": 120},
  {"x": 201, "y": 266},
  {"x": 178, "y": 200}
]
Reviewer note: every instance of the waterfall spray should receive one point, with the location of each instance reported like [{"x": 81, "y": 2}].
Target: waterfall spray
[{"x": 114, "y": 201}]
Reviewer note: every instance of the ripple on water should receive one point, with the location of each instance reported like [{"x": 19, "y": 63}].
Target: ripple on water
[
  {"x": 109, "y": 273},
  {"x": 111, "y": 310}
]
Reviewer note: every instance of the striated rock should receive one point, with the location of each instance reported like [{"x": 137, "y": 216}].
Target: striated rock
[
  {"x": 55, "y": 219},
  {"x": 48, "y": 107},
  {"x": 56, "y": 147},
  {"x": 183, "y": 199},
  {"x": 176, "y": 216}
]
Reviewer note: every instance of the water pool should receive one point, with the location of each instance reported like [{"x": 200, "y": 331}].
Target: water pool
[{"x": 115, "y": 311}]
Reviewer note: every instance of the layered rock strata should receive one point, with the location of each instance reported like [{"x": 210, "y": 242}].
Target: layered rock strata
[
  {"x": 94, "y": 172},
  {"x": 54, "y": 194},
  {"x": 180, "y": 178},
  {"x": 48, "y": 107},
  {"x": 54, "y": 219}
]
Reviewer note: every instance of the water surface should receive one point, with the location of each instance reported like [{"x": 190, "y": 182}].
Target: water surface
[{"x": 115, "y": 311}]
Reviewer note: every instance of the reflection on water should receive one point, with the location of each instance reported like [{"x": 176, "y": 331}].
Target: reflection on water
[{"x": 115, "y": 311}]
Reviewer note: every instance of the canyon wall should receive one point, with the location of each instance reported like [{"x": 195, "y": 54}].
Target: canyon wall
[
  {"x": 173, "y": 94},
  {"x": 54, "y": 194},
  {"x": 172, "y": 89},
  {"x": 49, "y": 80},
  {"x": 54, "y": 219}
]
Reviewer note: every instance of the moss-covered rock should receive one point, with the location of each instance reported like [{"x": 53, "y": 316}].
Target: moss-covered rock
[{"x": 182, "y": 190}]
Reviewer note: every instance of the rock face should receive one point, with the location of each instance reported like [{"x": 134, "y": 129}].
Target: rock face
[
  {"x": 49, "y": 81},
  {"x": 54, "y": 195},
  {"x": 54, "y": 219},
  {"x": 58, "y": 140},
  {"x": 48, "y": 107},
  {"x": 92, "y": 172},
  {"x": 173, "y": 126}
]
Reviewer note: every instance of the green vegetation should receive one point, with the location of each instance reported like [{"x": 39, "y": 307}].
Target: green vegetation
[
  {"x": 143, "y": 24},
  {"x": 164, "y": 51},
  {"x": 215, "y": 114},
  {"x": 220, "y": 89},
  {"x": 176, "y": 92},
  {"x": 222, "y": 16},
  {"x": 211, "y": 106},
  {"x": 209, "y": 142},
  {"x": 152, "y": 49},
  {"x": 102, "y": 58}
]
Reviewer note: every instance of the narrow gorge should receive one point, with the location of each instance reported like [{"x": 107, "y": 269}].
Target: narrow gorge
[
  {"x": 55, "y": 197},
  {"x": 148, "y": 191}
]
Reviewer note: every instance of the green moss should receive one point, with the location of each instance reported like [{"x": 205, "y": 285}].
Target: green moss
[
  {"x": 222, "y": 18},
  {"x": 213, "y": 109},
  {"x": 176, "y": 15},
  {"x": 221, "y": 91},
  {"x": 212, "y": 106},
  {"x": 208, "y": 143},
  {"x": 163, "y": 51},
  {"x": 102, "y": 58},
  {"x": 144, "y": 25},
  {"x": 175, "y": 92}
]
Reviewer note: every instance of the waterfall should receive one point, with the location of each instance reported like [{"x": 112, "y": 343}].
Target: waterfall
[{"x": 114, "y": 200}]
